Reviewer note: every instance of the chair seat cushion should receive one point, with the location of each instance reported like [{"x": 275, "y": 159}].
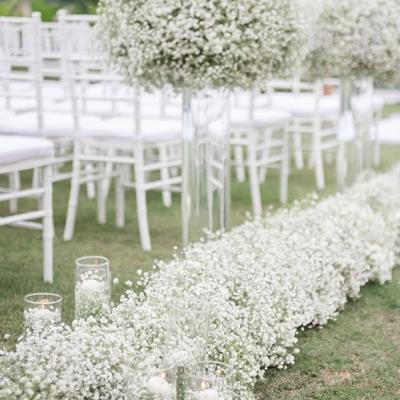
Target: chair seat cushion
[
  {"x": 58, "y": 125},
  {"x": 364, "y": 104},
  {"x": 26, "y": 124},
  {"x": 389, "y": 130},
  {"x": 305, "y": 104},
  {"x": 21, "y": 148},
  {"x": 261, "y": 118},
  {"x": 151, "y": 130}
]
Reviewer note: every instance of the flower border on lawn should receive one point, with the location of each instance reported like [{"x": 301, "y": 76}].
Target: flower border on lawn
[{"x": 264, "y": 280}]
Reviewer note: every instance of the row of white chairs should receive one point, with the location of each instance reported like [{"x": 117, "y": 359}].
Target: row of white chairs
[{"x": 55, "y": 85}]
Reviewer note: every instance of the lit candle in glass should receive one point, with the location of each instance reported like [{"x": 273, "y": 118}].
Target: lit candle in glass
[
  {"x": 42, "y": 309},
  {"x": 209, "y": 380},
  {"x": 206, "y": 393},
  {"x": 159, "y": 385}
]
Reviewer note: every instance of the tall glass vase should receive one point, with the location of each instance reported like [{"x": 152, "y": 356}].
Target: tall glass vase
[
  {"x": 369, "y": 130},
  {"x": 206, "y": 172},
  {"x": 349, "y": 161}
]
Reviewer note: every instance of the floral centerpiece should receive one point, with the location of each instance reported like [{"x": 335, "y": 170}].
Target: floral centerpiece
[
  {"x": 353, "y": 40},
  {"x": 194, "y": 46},
  {"x": 356, "y": 39},
  {"x": 199, "y": 44}
]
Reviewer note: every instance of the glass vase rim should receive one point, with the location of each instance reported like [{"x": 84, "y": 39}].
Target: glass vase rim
[
  {"x": 80, "y": 261},
  {"x": 56, "y": 298},
  {"x": 229, "y": 371},
  {"x": 181, "y": 305}
]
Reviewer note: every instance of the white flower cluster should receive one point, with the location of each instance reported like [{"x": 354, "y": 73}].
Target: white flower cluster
[
  {"x": 91, "y": 303},
  {"x": 35, "y": 318},
  {"x": 200, "y": 43},
  {"x": 354, "y": 39},
  {"x": 263, "y": 281}
]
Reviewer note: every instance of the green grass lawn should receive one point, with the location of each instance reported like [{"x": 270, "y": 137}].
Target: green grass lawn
[{"x": 356, "y": 357}]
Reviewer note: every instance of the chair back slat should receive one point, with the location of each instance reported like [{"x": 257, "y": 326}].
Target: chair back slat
[{"x": 20, "y": 62}]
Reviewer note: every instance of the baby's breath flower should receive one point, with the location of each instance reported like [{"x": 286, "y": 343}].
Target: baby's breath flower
[
  {"x": 200, "y": 44},
  {"x": 353, "y": 38},
  {"x": 263, "y": 282}
]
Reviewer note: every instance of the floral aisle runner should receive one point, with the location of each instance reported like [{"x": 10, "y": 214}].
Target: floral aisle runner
[{"x": 264, "y": 280}]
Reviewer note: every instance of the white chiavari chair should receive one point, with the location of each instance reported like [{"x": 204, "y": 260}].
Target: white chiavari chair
[
  {"x": 17, "y": 154},
  {"x": 29, "y": 110},
  {"x": 259, "y": 140},
  {"x": 124, "y": 140},
  {"x": 314, "y": 121}
]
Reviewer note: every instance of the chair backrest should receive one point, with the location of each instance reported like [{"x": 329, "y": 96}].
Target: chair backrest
[
  {"x": 250, "y": 101},
  {"x": 296, "y": 87},
  {"x": 95, "y": 89},
  {"x": 20, "y": 63},
  {"x": 51, "y": 50}
]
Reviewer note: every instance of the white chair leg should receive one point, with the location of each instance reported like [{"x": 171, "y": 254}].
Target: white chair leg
[
  {"x": 317, "y": 156},
  {"x": 319, "y": 170},
  {"x": 120, "y": 197},
  {"x": 108, "y": 173},
  {"x": 263, "y": 174},
  {"x": 15, "y": 185},
  {"x": 73, "y": 196},
  {"x": 298, "y": 151},
  {"x": 239, "y": 162},
  {"x": 142, "y": 218},
  {"x": 164, "y": 172},
  {"x": 254, "y": 182},
  {"x": 102, "y": 197},
  {"x": 141, "y": 202},
  {"x": 284, "y": 173},
  {"x": 341, "y": 166},
  {"x": 90, "y": 186},
  {"x": 48, "y": 226},
  {"x": 377, "y": 144}
]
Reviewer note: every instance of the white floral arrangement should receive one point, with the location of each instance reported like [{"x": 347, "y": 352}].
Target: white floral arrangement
[
  {"x": 264, "y": 281},
  {"x": 200, "y": 44},
  {"x": 354, "y": 39}
]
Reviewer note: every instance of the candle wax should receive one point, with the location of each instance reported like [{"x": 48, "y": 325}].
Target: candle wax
[
  {"x": 158, "y": 385},
  {"x": 91, "y": 285},
  {"x": 207, "y": 394}
]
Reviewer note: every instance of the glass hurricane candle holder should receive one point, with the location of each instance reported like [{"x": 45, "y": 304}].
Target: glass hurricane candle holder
[
  {"x": 42, "y": 309},
  {"x": 188, "y": 330},
  {"x": 92, "y": 286},
  {"x": 209, "y": 381},
  {"x": 205, "y": 199}
]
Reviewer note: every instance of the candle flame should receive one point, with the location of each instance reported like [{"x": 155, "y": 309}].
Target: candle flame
[
  {"x": 203, "y": 385},
  {"x": 44, "y": 303}
]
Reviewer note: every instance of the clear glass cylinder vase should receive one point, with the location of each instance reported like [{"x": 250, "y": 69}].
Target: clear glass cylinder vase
[
  {"x": 349, "y": 161},
  {"x": 41, "y": 310},
  {"x": 206, "y": 160},
  {"x": 209, "y": 381},
  {"x": 368, "y": 130},
  {"x": 92, "y": 287},
  {"x": 188, "y": 330}
]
